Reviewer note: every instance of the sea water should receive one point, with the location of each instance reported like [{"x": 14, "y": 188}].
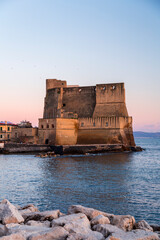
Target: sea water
[{"x": 118, "y": 183}]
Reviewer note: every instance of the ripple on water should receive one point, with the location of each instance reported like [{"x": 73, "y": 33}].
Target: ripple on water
[{"x": 121, "y": 183}]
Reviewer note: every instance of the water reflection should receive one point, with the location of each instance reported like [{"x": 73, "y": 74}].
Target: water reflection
[
  {"x": 125, "y": 183},
  {"x": 91, "y": 180}
]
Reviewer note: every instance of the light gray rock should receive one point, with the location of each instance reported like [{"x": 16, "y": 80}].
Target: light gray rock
[
  {"x": 10, "y": 225},
  {"x": 57, "y": 233},
  {"x": 107, "y": 229},
  {"x": 77, "y": 219},
  {"x": 15, "y": 236},
  {"x": 25, "y": 230},
  {"x": 85, "y": 232},
  {"x": 134, "y": 235},
  {"x": 79, "y": 225},
  {"x": 41, "y": 216},
  {"x": 125, "y": 222},
  {"x": 9, "y": 213},
  {"x": 81, "y": 236},
  {"x": 38, "y": 223},
  {"x": 143, "y": 225},
  {"x": 100, "y": 219},
  {"x": 3, "y": 230},
  {"x": 89, "y": 212},
  {"x": 27, "y": 209}
]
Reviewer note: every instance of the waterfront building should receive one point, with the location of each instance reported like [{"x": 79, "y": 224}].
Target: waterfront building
[
  {"x": 6, "y": 128},
  {"x": 24, "y": 133},
  {"x": 85, "y": 115}
]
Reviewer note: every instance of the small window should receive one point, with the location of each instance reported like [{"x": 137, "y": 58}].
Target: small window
[
  {"x": 8, "y": 136},
  {"x": 52, "y": 125},
  {"x": 1, "y": 128},
  {"x": 47, "y": 125},
  {"x": 106, "y": 124},
  {"x": 41, "y": 126},
  {"x": 1, "y": 136},
  {"x": 8, "y": 128},
  {"x": 82, "y": 124},
  {"x": 113, "y": 87},
  {"x": 64, "y": 104},
  {"x": 16, "y": 135},
  {"x": 94, "y": 124}
]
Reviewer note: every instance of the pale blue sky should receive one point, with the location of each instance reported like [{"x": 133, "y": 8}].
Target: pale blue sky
[{"x": 84, "y": 42}]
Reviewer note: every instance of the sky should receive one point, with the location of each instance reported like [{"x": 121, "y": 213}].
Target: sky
[{"x": 85, "y": 42}]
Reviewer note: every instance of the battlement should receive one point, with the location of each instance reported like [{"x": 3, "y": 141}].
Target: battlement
[
  {"x": 54, "y": 83},
  {"x": 102, "y": 100}
]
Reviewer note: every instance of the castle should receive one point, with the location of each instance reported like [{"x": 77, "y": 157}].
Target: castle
[{"x": 85, "y": 115}]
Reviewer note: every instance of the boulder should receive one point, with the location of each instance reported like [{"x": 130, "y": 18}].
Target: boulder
[
  {"x": 15, "y": 236},
  {"x": 81, "y": 236},
  {"x": 25, "y": 230},
  {"x": 10, "y": 225},
  {"x": 89, "y": 212},
  {"x": 56, "y": 233},
  {"x": 9, "y": 213},
  {"x": 75, "y": 219},
  {"x": 156, "y": 228},
  {"x": 143, "y": 225},
  {"x": 85, "y": 232},
  {"x": 28, "y": 208},
  {"x": 125, "y": 222},
  {"x": 79, "y": 225},
  {"x": 107, "y": 229},
  {"x": 134, "y": 235},
  {"x": 41, "y": 216},
  {"x": 100, "y": 219},
  {"x": 3, "y": 230},
  {"x": 38, "y": 223}
]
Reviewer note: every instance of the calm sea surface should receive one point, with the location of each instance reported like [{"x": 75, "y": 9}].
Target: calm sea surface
[{"x": 120, "y": 183}]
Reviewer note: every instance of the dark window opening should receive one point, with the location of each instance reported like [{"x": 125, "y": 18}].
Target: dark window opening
[
  {"x": 64, "y": 104},
  {"x": 8, "y": 128},
  {"x": 47, "y": 141},
  {"x": 113, "y": 87},
  {"x": 52, "y": 125},
  {"x": 47, "y": 125},
  {"x": 82, "y": 124},
  {"x": 94, "y": 124},
  {"x": 106, "y": 124},
  {"x": 8, "y": 136},
  {"x": 41, "y": 126}
]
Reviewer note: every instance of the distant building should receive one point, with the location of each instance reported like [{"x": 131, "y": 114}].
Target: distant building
[
  {"x": 25, "y": 133},
  {"x": 25, "y": 124},
  {"x": 85, "y": 115},
  {"x": 6, "y": 131}
]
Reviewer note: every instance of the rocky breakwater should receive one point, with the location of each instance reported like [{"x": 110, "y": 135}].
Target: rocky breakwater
[{"x": 81, "y": 223}]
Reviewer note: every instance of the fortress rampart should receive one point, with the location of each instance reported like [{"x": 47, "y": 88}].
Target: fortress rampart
[{"x": 85, "y": 115}]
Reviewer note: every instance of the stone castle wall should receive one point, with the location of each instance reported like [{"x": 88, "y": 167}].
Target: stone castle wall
[{"x": 85, "y": 115}]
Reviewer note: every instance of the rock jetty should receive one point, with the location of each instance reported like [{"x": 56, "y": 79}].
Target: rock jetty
[{"x": 80, "y": 223}]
